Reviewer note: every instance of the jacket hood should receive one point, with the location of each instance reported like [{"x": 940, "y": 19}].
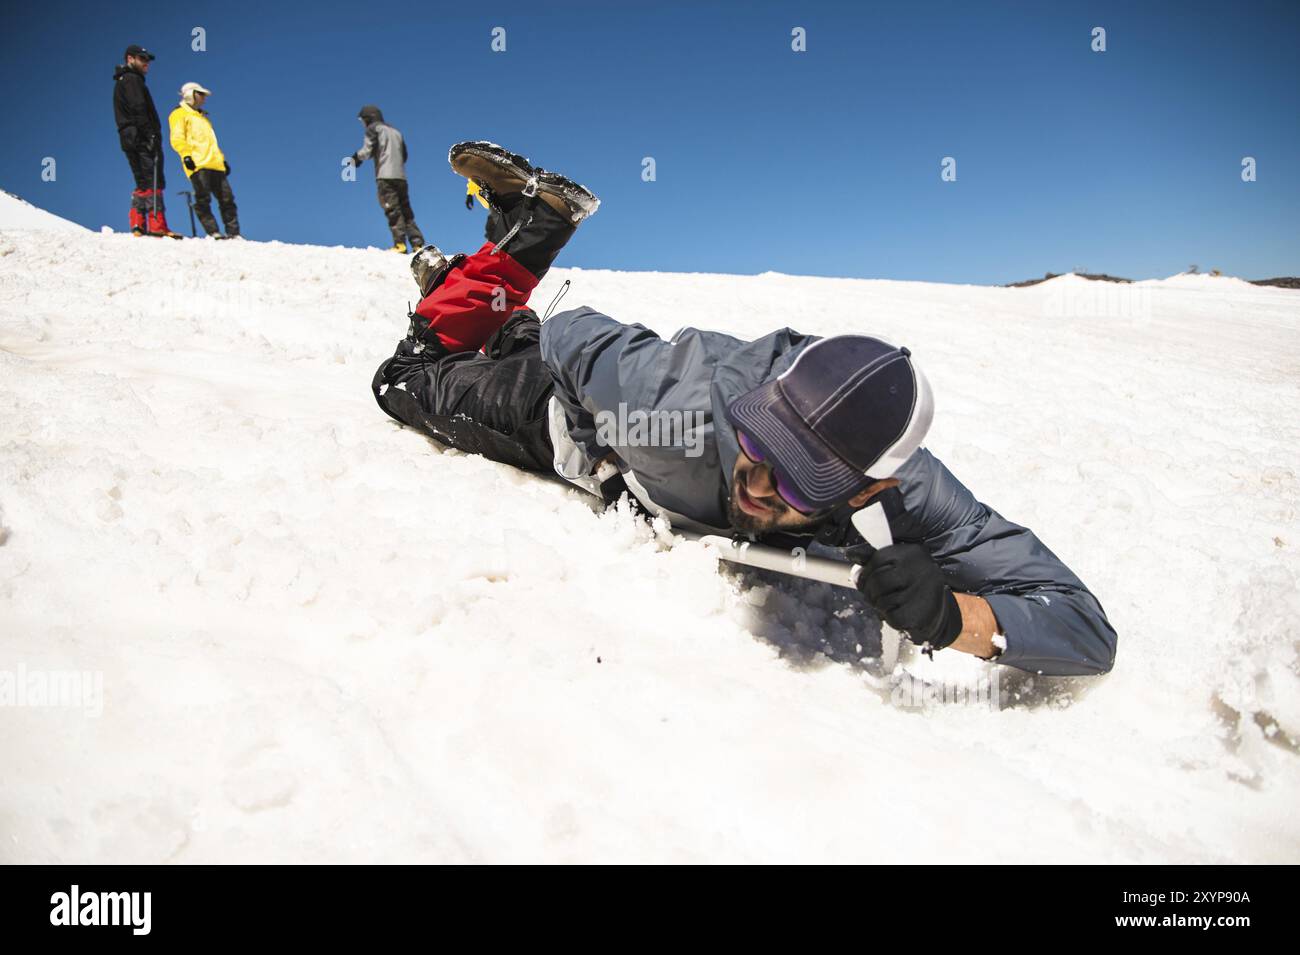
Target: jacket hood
[
  {"x": 122, "y": 70},
  {"x": 371, "y": 114}
]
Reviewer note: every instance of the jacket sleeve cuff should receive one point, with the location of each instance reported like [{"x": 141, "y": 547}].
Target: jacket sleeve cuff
[
  {"x": 1046, "y": 639},
  {"x": 1015, "y": 624}
]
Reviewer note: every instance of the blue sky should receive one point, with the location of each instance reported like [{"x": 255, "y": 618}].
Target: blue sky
[{"x": 825, "y": 162}]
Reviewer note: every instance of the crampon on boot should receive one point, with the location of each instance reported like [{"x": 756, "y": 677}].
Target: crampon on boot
[{"x": 499, "y": 172}]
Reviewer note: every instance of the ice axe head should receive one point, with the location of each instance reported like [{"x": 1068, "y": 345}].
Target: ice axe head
[{"x": 873, "y": 525}]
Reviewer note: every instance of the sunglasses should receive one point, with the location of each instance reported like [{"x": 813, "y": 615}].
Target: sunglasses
[{"x": 784, "y": 489}]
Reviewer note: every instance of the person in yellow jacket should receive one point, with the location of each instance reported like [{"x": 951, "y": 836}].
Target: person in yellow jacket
[
  {"x": 195, "y": 142},
  {"x": 472, "y": 193}
]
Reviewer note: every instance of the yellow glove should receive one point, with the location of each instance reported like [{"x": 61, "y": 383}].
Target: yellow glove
[{"x": 471, "y": 193}]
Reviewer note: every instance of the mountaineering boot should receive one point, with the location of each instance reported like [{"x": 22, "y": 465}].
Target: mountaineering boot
[
  {"x": 430, "y": 267},
  {"x": 500, "y": 173},
  {"x": 138, "y": 225},
  {"x": 158, "y": 227},
  {"x": 398, "y": 247}
]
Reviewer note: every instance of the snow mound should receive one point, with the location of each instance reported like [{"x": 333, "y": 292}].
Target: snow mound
[
  {"x": 17, "y": 214},
  {"x": 322, "y": 637},
  {"x": 1201, "y": 281},
  {"x": 1069, "y": 279}
]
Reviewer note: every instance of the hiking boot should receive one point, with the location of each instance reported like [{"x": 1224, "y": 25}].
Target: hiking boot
[
  {"x": 430, "y": 267},
  {"x": 499, "y": 173},
  {"x": 157, "y": 226}
]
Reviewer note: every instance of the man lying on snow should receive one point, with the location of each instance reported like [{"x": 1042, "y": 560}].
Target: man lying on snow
[{"x": 787, "y": 436}]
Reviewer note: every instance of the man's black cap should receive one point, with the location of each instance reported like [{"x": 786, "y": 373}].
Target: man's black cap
[
  {"x": 136, "y": 50},
  {"x": 849, "y": 411}
]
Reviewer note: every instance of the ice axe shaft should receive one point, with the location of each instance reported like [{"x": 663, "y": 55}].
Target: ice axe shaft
[
  {"x": 189, "y": 201},
  {"x": 838, "y": 573},
  {"x": 871, "y": 522}
]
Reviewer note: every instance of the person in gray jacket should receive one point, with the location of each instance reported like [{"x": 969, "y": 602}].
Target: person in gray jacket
[
  {"x": 778, "y": 439},
  {"x": 386, "y": 145}
]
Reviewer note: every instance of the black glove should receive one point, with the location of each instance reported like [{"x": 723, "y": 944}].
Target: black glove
[
  {"x": 189, "y": 163},
  {"x": 905, "y": 586},
  {"x": 612, "y": 485},
  {"x": 469, "y": 201},
  {"x": 227, "y": 169}
]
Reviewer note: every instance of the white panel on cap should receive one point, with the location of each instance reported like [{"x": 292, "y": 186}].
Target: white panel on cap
[{"x": 913, "y": 435}]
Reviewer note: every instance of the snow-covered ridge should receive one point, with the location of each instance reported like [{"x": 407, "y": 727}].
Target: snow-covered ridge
[
  {"x": 322, "y": 637},
  {"x": 1205, "y": 281},
  {"x": 15, "y": 213}
]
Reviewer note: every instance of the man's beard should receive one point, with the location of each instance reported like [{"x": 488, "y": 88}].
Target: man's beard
[
  {"x": 778, "y": 518},
  {"x": 740, "y": 521}
]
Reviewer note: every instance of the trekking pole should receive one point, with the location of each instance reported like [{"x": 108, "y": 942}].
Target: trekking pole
[
  {"x": 189, "y": 201},
  {"x": 154, "y": 196}
]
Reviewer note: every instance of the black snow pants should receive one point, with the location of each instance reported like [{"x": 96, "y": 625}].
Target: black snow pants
[
  {"x": 395, "y": 197},
  {"x": 148, "y": 210},
  {"x": 213, "y": 182},
  {"x": 142, "y": 170},
  {"x": 492, "y": 402}
]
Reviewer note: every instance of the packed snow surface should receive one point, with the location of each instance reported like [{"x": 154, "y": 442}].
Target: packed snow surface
[{"x": 321, "y": 636}]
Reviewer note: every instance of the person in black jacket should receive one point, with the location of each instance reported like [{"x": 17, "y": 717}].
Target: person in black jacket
[{"x": 140, "y": 133}]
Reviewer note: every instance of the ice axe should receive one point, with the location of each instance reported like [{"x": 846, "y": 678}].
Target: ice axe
[
  {"x": 189, "y": 201},
  {"x": 870, "y": 521}
]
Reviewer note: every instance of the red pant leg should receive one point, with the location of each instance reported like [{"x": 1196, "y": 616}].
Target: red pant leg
[{"x": 476, "y": 299}]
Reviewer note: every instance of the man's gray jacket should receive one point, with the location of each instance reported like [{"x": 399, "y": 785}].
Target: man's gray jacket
[
  {"x": 384, "y": 143},
  {"x": 608, "y": 374}
]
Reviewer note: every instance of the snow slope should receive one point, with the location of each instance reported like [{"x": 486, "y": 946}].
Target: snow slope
[
  {"x": 321, "y": 637},
  {"x": 17, "y": 214}
]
